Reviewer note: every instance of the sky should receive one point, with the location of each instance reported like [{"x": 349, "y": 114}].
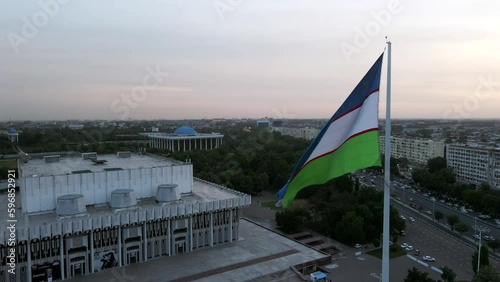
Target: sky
[{"x": 94, "y": 59}]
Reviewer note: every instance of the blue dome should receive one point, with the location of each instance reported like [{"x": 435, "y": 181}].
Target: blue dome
[
  {"x": 185, "y": 130},
  {"x": 12, "y": 131}
]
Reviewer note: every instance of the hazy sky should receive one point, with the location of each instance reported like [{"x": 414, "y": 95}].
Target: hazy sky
[{"x": 244, "y": 58}]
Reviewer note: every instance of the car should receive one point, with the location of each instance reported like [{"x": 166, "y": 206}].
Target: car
[
  {"x": 412, "y": 219},
  {"x": 428, "y": 258},
  {"x": 409, "y": 248},
  {"x": 417, "y": 252},
  {"x": 402, "y": 233},
  {"x": 402, "y": 217},
  {"x": 404, "y": 245},
  {"x": 428, "y": 212},
  {"x": 477, "y": 237},
  {"x": 358, "y": 246}
]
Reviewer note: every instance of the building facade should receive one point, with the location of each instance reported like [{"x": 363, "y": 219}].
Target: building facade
[
  {"x": 415, "y": 150},
  {"x": 306, "y": 133},
  {"x": 475, "y": 165},
  {"x": 74, "y": 219},
  {"x": 185, "y": 139}
]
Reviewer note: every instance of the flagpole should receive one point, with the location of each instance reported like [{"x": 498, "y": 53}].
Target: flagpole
[{"x": 387, "y": 172}]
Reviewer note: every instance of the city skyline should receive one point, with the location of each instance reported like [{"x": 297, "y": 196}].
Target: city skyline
[{"x": 250, "y": 59}]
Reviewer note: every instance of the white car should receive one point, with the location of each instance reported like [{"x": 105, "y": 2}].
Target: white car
[
  {"x": 404, "y": 245},
  {"x": 428, "y": 258},
  {"x": 429, "y": 212},
  {"x": 477, "y": 237},
  {"x": 403, "y": 217},
  {"x": 412, "y": 219},
  {"x": 409, "y": 248},
  {"x": 358, "y": 246}
]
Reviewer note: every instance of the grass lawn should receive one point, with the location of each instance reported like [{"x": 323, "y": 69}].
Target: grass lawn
[{"x": 397, "y": 253}]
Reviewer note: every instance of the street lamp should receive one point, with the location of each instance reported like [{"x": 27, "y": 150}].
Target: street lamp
[{"x": 480, "y": 229}]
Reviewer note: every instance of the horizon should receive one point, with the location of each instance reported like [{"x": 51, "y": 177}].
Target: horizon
[{"x": 211, "y": 59}]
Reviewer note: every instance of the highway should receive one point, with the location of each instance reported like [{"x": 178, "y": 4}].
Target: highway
[{"x": 401, "y": 199}]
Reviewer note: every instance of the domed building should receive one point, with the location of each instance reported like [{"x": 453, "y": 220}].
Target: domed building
[
  {"x": 185, "y": 138},
  {"x": 13, "y": 135}
]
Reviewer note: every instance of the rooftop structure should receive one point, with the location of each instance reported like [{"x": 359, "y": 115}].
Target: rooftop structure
[
  {"x": 184, "y": 139},
  {"x": 75, "y": 214}
]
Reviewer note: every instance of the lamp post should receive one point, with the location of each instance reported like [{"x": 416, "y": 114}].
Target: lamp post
[{"x": 480, "y": 229}]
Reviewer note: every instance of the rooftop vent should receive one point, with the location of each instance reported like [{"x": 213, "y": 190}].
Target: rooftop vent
[
  {"x": 122, "y": 199},
  {"x": 71, "y": 205},
  {"x": 124, "y": 154},
  {"x": 51, "y": 159},
  {"x": 168, "y": 193},
  {"x": 89, "y": 156}
]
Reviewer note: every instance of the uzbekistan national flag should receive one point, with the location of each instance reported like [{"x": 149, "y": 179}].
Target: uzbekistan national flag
[{"x": 348, "y": 142}]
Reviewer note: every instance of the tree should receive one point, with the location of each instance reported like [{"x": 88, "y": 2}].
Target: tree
[
  {"x": 494, "y": 245},
  {"x": 350, "y": 228},
  {"x": 415, "y": 275},
  {"x": 438, "y": 215},
  {"x": 448, "y": 274},
  {"x": 436, "y": 164},
  {"x": 486, "y": 274},
  {"x": 485, "y": 259},
  {"x": 462, "y": 227},
  {"x": 291, "y": 220},
  {"x": 452, "y": 220}
]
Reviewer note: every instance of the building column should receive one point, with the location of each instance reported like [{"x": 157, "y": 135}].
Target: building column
[
  {"x": 145, "y": 240},
  {"x": 61, "y": 254},
  {"x": 184, "y": 145},
  {"x": 28, "y": 267},
  {"x": 91, "y": 261},
  {"x": 231, "y": 225},
  {"x": 190, "y": 232},
  {"x": 178, "y": 145},
  {"x": 195, "y": 142},
  {"x": 211, "y": 143},
  {"x": 211, "y": 232},
  {"x": 120, "y": 263},
  {"x": 190, "y": 141}
]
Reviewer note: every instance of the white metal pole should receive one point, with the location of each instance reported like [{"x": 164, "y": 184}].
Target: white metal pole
[{"x": 387, "y": 171}]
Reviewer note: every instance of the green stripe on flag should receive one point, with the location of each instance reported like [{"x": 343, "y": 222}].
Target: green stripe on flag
[{"x": 357, "y": 153}]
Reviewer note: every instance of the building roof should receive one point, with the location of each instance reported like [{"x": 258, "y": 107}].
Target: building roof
[
  {"x": 12, "y": 131},
  {"x": 185, "y": 130},
  {"x": 69, "y": 165}
]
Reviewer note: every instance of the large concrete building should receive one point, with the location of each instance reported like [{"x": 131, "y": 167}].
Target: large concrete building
[
  {"x": 475, "y": 165},
  {"x": 78, "y": 215},
  {"x": 306, "y": 133},
  {"x": 415, "y": 150},
  {"x": 184, "y": 139}
]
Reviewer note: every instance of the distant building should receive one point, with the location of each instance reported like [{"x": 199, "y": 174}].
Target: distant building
[
  {"x": 306, "y": 133},
  {"x": 184, "y": 139},
  {"x": 13, "y": 135},
  {"x": 75, "y": 126},
  {"x": 414, "y": 149},
  {"x": 475, "y": 165},
  {"x": 79, "y": 215},
  {"x": 263, "y": 123}
]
